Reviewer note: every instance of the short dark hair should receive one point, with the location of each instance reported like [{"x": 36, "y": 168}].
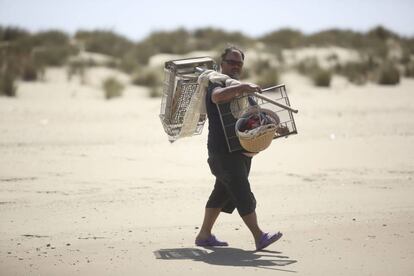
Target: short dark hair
[{"x": 230, "y": 49}]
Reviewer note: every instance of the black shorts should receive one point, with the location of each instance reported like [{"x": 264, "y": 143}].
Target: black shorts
[{"x": 232, "y": 187}]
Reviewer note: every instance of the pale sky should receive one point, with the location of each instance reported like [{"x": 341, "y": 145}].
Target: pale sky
[{"x": 136, "y": 19}]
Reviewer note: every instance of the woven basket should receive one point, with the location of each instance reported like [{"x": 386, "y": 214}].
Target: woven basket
[{"x": 261, "y": 137}]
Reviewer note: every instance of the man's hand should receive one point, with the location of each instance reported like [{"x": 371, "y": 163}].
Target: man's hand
[{"x": 251, "y": 88}]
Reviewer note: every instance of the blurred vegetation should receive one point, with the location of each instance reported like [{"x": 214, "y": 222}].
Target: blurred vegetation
[
  {"x": 112, "y": 88},
  {"x": 25, "y": 55},
  {"x": 268, "y": 78},
  {"x": 307, "y": 66},
  {"x": 263, "y": 73},
  {"x": 322, "y": 77},
  {"x": 388, "y": 74},
  {"x": 216, "y": 39},
  {"x": 155, "y": 92},
  {"x": 358, "y": 72},
  {"x": 147, "y": 77},
  {"x": 8, "y": 84},
  {"x": 174, "y": 42},
  {"x": 103, "y": 42},
  {"x": 284, "y": 38},
  {"x": 409, "y": 70},
  {"x": 311, "y": 68},
  {"x": 77, "y": 68}
]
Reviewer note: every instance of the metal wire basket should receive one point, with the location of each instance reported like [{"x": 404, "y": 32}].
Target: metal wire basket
[
  {"x": 179, "y": 91},
  {"x": 273, "y": 100}
]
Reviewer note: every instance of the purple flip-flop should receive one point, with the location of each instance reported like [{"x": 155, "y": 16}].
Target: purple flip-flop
[
  {"x": 267, "y": 239},
  {"x": 211, "y": 241}
]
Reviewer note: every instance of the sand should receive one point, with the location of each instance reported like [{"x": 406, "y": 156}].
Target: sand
[{"x": 93, "y": 187}]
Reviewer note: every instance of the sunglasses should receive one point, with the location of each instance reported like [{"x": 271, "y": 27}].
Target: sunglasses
[{"x": 233, "y": 62}]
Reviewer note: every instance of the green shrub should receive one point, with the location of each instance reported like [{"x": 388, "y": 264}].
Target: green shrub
[
  {"x": 128, "y": 64},
  {"x": 381, "y": 33},
  {"x": 284, "y": 38},
  {"x": 172, "y": 42},
  {"x": 389, "y": 75},
  {"x": 357, "y": 72},
  {"x": 155, "y": 92},
  {"x": 341, "y": 38},
  {"x": 142, "y": 52},
  {"x": 267, "y": 78},
  {"x": 112, "y": 88},
  {"x": 46, "y": 48},
  {"x": 104, "y": 42},
  {"x": 322, "y": 78},
  {"x": 51, "y": 56},
  {"x": 406, "y": 57},
  {"x": 261, "y": 66},
  {"x": 51, "y": 38},
  {"x": 113, "y": 64},
  {"x": 149, "y": 78},
  {"x": 12, "y": 33},
  {"x": 409, "y": 70},
  {"x": 216, "y": 39},
  {"x": 77, "y": 67},
  {"x": 29, "y": 72},
  {"x": 310, "y": 67},
  {"x": 263, "y": 73},
  {"x": 307, "y": 66},
  {"x": 8, "y": 84},
  {"x": 276, "y": 51}
]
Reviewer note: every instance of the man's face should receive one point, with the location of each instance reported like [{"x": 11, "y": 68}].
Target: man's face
[{"x": 232, "y": 65}]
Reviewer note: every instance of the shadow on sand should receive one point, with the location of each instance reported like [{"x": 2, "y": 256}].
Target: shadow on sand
[{"x": 227, "y": 256}]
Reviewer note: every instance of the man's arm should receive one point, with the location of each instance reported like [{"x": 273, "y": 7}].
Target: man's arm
[{"x": 226, "y": 94}]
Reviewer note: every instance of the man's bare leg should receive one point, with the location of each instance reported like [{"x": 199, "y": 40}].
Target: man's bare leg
[
  {"x": 251, "y": 221},
  {"x": 261, "y": 239},
  {"x": 210, "y": 216}
]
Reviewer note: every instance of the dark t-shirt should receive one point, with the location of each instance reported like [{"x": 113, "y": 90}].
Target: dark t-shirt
[
  {"x": 216, "y": 139},
  {"x": 217, "y": 143}
]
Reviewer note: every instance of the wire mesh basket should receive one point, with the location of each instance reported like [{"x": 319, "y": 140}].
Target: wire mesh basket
[
  {"x": 179, "y": 91},
  {"x": 273, "y": 100}
]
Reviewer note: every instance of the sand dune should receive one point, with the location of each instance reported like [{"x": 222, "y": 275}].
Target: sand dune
[
  {"x": 93, "y": 187},
  {"x": 327, "y": 57}
]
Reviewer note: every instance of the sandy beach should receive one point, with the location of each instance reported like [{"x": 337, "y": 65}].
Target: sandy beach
[{"x": 93, "y": 187}]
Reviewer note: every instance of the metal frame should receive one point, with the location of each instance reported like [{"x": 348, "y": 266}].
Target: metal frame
[
  {"x": 180, "y": 85},
  {"x": 276, "y": 99}
]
